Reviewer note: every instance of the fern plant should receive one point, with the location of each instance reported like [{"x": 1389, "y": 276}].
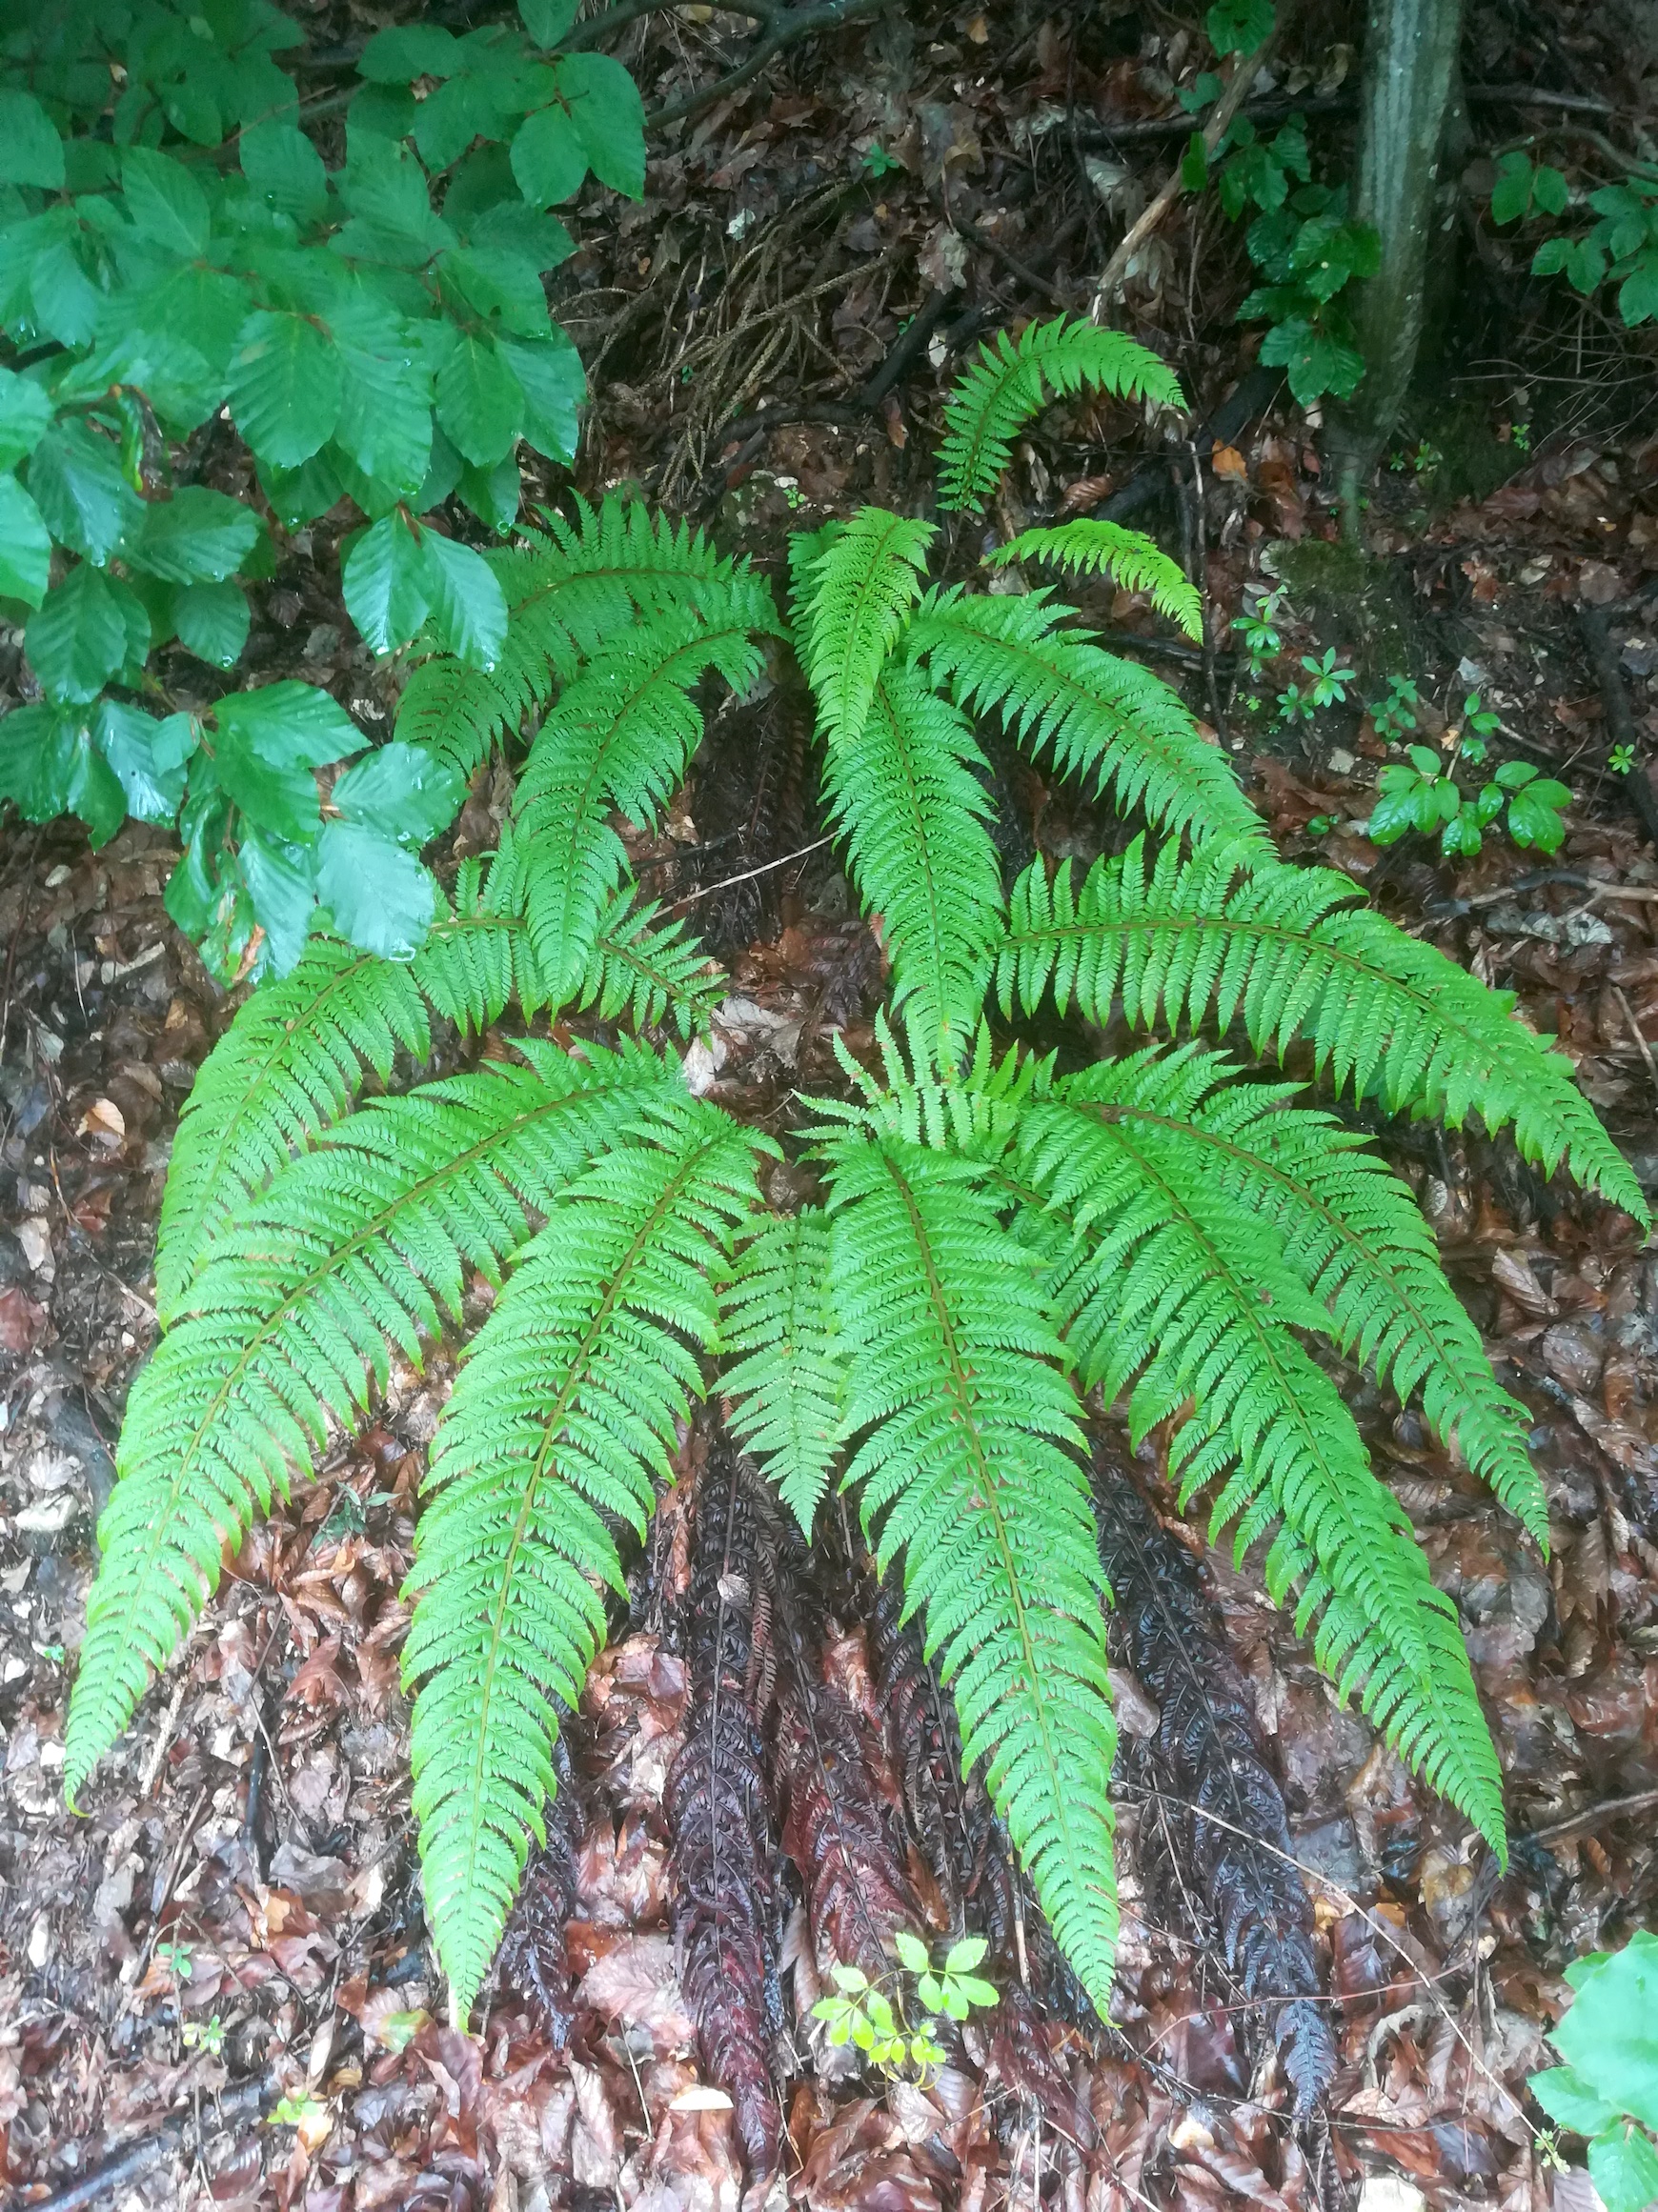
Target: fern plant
[{"x": 1000, "y": 1245}]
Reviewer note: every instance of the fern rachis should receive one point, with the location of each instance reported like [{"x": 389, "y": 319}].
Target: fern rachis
[{"x": 996, "y": 1238}]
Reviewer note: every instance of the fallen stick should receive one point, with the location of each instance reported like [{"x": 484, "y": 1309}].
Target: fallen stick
[
  {"x": 146, "y": 2151},
  {"x": 1245, "y": 72}
]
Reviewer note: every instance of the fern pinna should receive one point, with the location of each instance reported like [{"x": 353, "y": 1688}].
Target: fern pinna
[{"x": 1177, "y": 1227}]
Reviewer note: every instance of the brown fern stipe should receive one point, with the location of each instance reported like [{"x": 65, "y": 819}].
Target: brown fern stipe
[
  {"x": 723, "y": 1846},
  {"x": 1213, "y": 1759}
]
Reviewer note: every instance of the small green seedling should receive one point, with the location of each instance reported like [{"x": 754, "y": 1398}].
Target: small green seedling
[
  {"x": 1426, "y": 796},
  {"x": 877, "y": 2022},
  {"x": 1621, "y": 759},
  {"x": 1329, "y": 682},
  {"x": 1262, "y": 641},
  {"x": 1394, "y": 717},
  {"x": 1607, "y": 2090},
  {"x": 205, "y": 2035},
  {"x": 299, "y": 2111},
  {"x": 877, "y": 162},
  {"x": 176, "y": 1959}
]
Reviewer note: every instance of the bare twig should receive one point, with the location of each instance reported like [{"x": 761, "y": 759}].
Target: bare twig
[
  {"x": 1636, "y": 1032},
  {"x": 785, "y": 27},
  {"x": 749, "y": 873},
  {"x": 139, "y": 2156},
  {"x": 1245, "y": 72},
  {"x": 1593, "y": 1817}
]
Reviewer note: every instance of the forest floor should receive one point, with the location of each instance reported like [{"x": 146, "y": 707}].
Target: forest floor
[{"x": 235, "y": 1917}]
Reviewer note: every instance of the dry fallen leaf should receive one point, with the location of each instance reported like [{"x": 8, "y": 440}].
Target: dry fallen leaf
[
  {"x": 104, "y": 1121},
  {"x": 1229, "y": 461}
]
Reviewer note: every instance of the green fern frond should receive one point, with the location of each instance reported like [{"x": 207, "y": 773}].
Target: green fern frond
[
  {"x": 1138, "y": 563},
  {"x": 853, "y": 600},
  {"x": 1195, "y": 1296},
  {"x": 788, "y": 1387},
  {"x": 1350, "y": 1231},
  {"x": 572, "y": 592},
  {"x": 970, "y": 1467},
  {"x": 912, "y": 811},
  {"x": 618, "y": 739},
  {"x": 1011, "y": 382},
  {"x": 1102, "y": 719},
  {"x": 564, "y": 1412},
  {"x": 366, "y": 1240},
  {"x": 972, "y": 1108},
  {"x": 642, "y": 972},
  {"x": 1285, "y": 951},
  {"x": 294, "y": 1059}
]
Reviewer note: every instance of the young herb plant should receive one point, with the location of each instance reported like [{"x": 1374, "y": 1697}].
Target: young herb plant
[
  {"x": 998, "y": 1238},
  {"x": 876, "y": 2018},
  {"x": 1423, "y": 795}
]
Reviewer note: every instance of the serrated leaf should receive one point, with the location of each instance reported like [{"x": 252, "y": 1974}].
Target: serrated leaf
[
  {"x": 85, "y": 501},
  {"x": 554, "y": 388},
  {"x": 547, "y": 20},
  {"x": 385, "y": 409},
  {"x": 386, "y": 583},
  {"x": 284, "y": 388},
  {"x": 212, "y": 621},
  {"x": 1238, "y": 25},
  {"x": 146, "y": 758},
  {"x": 912, "y": 1951},
  {"x": 50, "y": 766},
  {"x": 410, "y": 50},
  {"x": 31, "y": 150},
  {"x": 25, "y": 413},
  {"x": 609, "y": 115},
  {"x": 380, "y": 897},
  {"x": 76, "y": 638},
  {"x": 283, "y": 166},
  {"x": 267, "y": 743},
  {"x": 281, "y": 881},
  {"x": 166, "y": 203},
  {"x": 1570, "y": 2100},
  {"x": 25, "y": 546},
  {"x": 469, "y": 609},
  {"x": 963, "y": 1957},
  {"x": 406, "y": 791},
  {"x": 548, "y": 156},
  {"x": 196, "y": 537},
  {"x": 480, "y": 403},
  {"x": 1624, "y": 2167}
]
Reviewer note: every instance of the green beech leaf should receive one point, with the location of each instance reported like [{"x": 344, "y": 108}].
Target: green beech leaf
[
  {"x": 385, "y": 409},
  {"x": 25, "y": 546},
  {"x": 480, "y": 403},
  {"x": 407, "y": 792},
  {"x": 196, "y": 536},
  {"x": 1570, "y": 2102},
  {"x": 380, "y": 897},
  {"x": 1238, "y": 25},
  {"x": 76, "y": 482},
  {"x": 548, "y": 156},
  {"x": 469, "y": 609},
  {"x": 609, "y": 115},
  {"x": 284, "y": 387},
  {"x": 547, "y": 20},
  {"x": 77, "y": 637},
  {"x": 31, "y": 150},
  {"x": 495, "y": 494},
  {"x": 281, "y": 882},
  {"x": 146, "y": 756},
  {"x": 387, "y": 583},
  {"x": 25, "y": 416},
  {"x": 50, "y": 766},
  {"x": 212, "y": 621},
  {"x": 267, "y": 743},
  {"x": 410, "y": 50},
  {"x": 1610, "y": 2031},
  {"x": 283, "y": 166},
  {"x": 166, "y": 203},
  {"x": 1624, "y": 2167},
  {"x": 554, "y": 388}
]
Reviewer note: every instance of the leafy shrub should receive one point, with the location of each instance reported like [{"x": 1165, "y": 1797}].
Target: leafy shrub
[
  {"x": 1607, "y": 2090},
  {"x": 1424, "y": 795},
  {"x": 1620, "y": 248},
  {"x": 996, "y": 1238},
  {"x": 172, "y": 245}
]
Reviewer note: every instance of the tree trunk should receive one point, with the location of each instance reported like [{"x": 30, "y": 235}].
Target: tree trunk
[{"x": 1410, "y": 51}]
